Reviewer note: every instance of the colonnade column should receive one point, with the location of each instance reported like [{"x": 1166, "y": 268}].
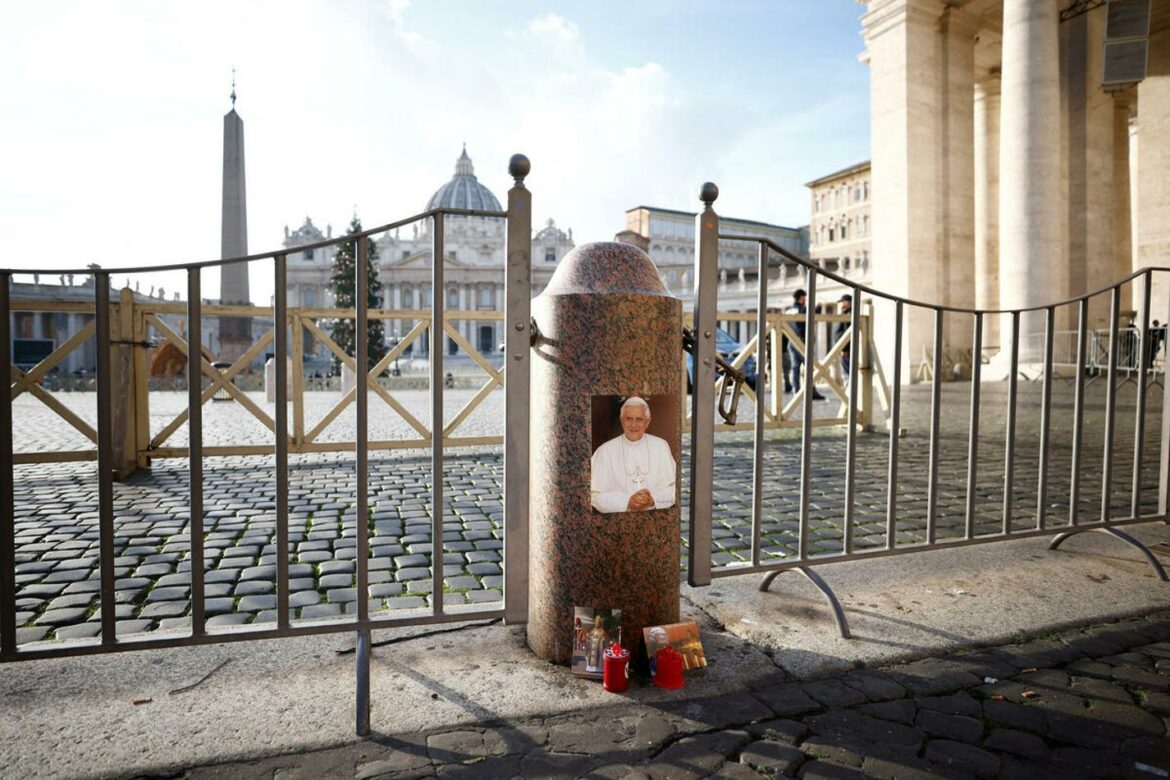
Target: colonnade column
[
  {"x": 1031, "y": 271},
  {"x": 1152, "y": 228},
  {"x": 1122, "y": 235},
  {"x": 987, "y": 202}
]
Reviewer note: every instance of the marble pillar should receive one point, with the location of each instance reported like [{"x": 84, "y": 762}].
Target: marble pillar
[
  {"x": 1031, "y": 271},
  {"x": 920, "y": 54},
  {"x": 1152, "y": 231},
  {"x": 987, "y": 203},
  {"x": 1122, "y": 236},
  {"x": 1089, "y": 162},
  {"x": 607, "y": 328}
]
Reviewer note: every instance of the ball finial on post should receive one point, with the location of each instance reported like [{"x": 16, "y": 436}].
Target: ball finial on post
[
  {"x": 518, "y": 167},
  {"x": 708, "y": 193}
]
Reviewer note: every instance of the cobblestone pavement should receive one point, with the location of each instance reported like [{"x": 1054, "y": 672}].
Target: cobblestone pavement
[
  {"x": 1087, "y": 703},
  {"x": 56, "y": 513}
]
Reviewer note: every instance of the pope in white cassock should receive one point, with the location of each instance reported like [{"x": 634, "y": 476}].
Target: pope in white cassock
[{"x": 635, "y": 471}]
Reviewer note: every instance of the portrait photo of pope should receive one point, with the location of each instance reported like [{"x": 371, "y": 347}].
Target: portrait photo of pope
[{"x": 634, "y": 471}]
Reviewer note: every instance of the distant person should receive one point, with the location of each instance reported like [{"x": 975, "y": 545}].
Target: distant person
[
  {"x": 795, "y": 356},
  {"x": 845, "y": 306},
  {"x": 1157, "y": 339},
  {"x": 635, "y": 471}
]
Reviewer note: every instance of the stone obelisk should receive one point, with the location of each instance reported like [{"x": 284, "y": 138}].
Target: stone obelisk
[{"x": 235, "y": 333}]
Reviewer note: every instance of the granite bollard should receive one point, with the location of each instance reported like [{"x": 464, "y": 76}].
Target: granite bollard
[{"x": 607, "y": 330}]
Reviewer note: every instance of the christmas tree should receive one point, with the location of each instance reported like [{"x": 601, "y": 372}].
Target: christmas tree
[{"x": 342, "y": 285}]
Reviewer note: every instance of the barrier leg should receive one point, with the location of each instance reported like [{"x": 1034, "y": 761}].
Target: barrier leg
[
  {"x": 823, "y": 587},
  {"x": 363, "y": 682},
  {"x": 1117, "y": 534}
]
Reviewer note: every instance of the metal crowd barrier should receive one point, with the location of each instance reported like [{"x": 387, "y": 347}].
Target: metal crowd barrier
[
  {"x": 515, "y": 588},
  {"x": 701, "y": 570}
]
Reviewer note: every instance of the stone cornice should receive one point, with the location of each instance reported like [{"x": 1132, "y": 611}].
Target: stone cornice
[{"x": 885, "y": 15}]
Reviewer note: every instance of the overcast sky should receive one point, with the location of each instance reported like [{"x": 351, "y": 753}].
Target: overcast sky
[{"x": 111, "y": 143}]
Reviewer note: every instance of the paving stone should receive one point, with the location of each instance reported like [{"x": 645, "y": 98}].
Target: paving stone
[
  {"x": 898, "y": 710},
  {"x": 856, "y": 726},
  {"x": 166, "y": 594},
  {"x": 257, "y": 603},
  {"x": 1018, "y": 716},
  {"x": 697, "y": 756},
  {"x": 321, "y": 611},
  {"x": 772, "y": 758},
  {"x": 962, "y": 757},
  {"x": 786, "y": 700},
  {"x": 303, "y": 598},
  {"x": 61, "y": 617},
  {"x": 875, "y": 686},
  {"x": 253, "y": 588},
  {"x": 163, "y": 609},
  {"x": 223, "y": 621},
  {"x": 1019, "y": 743},
  {"x": 406, "y": 575},
  {"x": 834, "y": 693},
  {"x": 78, "y": 631},
  {"x": 341, "y": 595},
  {"x": 941, "y": 724}
]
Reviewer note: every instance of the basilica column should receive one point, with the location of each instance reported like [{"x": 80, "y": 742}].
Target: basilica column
[
  {"x": 1152, "y": 228},
  {"x": 1030, "y": 241},
  {"x": 920, "y": 54},
  {"x": 1122, "y": 236},
  {"x": 987, "y": 202},
  {"x": 1090, "y": 161}
]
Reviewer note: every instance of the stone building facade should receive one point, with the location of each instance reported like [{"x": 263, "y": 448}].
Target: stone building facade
[
  {"x": 839, "y": 229},
  {"x": 668, "y": 236},
  {"x": 1004, "y": 173},
  {"x": 473, "y": 267}
]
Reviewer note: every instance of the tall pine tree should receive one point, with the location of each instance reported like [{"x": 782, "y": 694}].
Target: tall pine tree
[{"x": 342, "y": 285}]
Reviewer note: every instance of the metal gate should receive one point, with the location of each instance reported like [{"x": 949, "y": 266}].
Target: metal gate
[
  {"x": 900, "y": 531},
  {"x": 518, "y": 217}
]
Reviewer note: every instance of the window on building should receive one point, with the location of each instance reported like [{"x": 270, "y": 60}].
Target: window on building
[
  {"x": 485, "y": 297},
  {"x": 310, "y": 297},
  {"x": 405, "y": 253},
  {"x": 865, "y": 189},
  {"x": 672, "y": 278},
  {"x": 831, "y": 234},
  {"x": 550, "y": 255},
  {"x": 308, "y": 255},
  {"x": 24, "y": 325},
  {"x": 844, "y": 231},
  {"x": 857, "y": 194},
  {"x": 407, "y": 298},
  {"x": 453, "y": 298}
]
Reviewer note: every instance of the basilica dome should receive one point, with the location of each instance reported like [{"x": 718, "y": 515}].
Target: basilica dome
[{"x": 464, "y": 191}]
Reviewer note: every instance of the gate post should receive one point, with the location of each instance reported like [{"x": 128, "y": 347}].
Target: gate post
[
  {"x": 703, "y": 397},
  {"x": 127, "y": 361},
  {"x": 605, "y": 448},
  {"x": 517, "y": 378},
  {"x": 860, "y": 347}
]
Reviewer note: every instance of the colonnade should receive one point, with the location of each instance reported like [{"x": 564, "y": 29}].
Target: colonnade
[{"x": 1004, "y": 175}]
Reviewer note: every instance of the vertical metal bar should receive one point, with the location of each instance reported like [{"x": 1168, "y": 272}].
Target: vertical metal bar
[
  {"x": 973, "y": 425},
  {"x": 1045, "y": 417},
  {"x": 1074, "y": 497},
  {"x": 1139, "y": 429},
  {"x": 436, "y": 346},
  {"x": 362, "y": 658},
  {"x": 1009, "y": 446},
  {"x": 105, "y": 454},
  {"x": 1110, "y": 405},
  {"x": 361, "y": 349},
  {"x": 517, "y": 391},
  {"x": 895, "y": 423},
  {"x": 703, "y": 389},
  {"x": 810, "y": 353},
  {"x": 758, "y": 446},
  {"x": 935, "y": 403},
  {"x": 1164, "y": 454},
  {"x": 280, "y": 323},
  {"x": 7, "y": 486},
  {"x": 856, "y": 350},
  {"x": 195, "y": 445}
]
